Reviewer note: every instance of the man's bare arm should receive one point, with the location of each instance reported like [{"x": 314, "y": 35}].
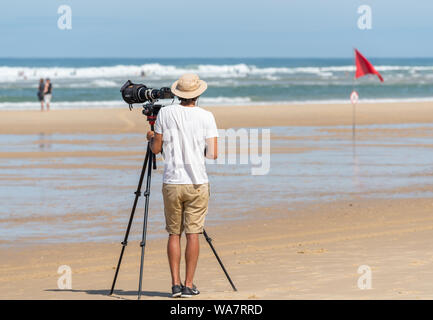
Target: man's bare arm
[
  {"x": 212, "y": 148},
  {"x": 155, "y": 141}
]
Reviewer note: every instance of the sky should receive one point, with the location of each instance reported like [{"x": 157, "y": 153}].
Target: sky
[{"x": 223, "y": 28}]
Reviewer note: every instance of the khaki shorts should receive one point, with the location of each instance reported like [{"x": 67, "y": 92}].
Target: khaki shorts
[{"x": 185, "y": 207}]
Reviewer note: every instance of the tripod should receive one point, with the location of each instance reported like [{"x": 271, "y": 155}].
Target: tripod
[{"x": 149, "y": 162}]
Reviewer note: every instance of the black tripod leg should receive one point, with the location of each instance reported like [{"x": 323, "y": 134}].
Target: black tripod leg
[
  {"x": 209, "y": 240},
  {"x": 146, "y": 210},
  {"x": 125, "y": 241}
]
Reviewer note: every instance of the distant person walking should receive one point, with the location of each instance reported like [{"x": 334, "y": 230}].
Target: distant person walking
[
  {"x": 47, "y": 93},
  {"x": 41, "y": 89}
]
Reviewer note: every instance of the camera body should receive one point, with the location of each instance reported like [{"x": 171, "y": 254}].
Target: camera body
[{"x": 139, "y": 93}]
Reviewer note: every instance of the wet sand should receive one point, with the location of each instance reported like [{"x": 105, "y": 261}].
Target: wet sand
[{"x": 371, "y": 205}]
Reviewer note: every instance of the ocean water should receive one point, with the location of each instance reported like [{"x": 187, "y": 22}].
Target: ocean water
[{"x": 87, "y": 83}]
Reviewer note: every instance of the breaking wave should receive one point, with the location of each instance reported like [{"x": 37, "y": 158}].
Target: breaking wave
[{"x": 159, "y": 71}]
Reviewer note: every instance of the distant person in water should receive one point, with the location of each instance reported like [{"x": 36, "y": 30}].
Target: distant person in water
[
  {"x": 47, "y": 93},
  {"x": 41, "y": 89}
]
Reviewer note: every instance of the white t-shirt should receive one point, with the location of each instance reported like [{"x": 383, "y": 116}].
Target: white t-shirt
[{"x": 184, "y": 132}]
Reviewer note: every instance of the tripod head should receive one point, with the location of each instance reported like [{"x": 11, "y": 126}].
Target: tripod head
[{"x": 150, "y": 110}]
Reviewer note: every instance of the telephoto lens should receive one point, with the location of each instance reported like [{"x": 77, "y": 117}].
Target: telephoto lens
[{"x": 139, "y": 93}]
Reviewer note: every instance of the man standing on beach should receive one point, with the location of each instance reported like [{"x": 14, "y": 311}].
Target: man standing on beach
[
  {"x": 41, "y": 89},
  {"x": 47, "y": 93},
  {"x": 188, "y": 134}
]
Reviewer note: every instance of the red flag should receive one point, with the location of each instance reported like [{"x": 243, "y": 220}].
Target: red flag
[{"x": 363, "y": 66}]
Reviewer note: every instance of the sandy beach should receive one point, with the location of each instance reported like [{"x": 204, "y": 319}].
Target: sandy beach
[
  {"x": 316, "y": 221},
  {"x": 123, "y": 120}
]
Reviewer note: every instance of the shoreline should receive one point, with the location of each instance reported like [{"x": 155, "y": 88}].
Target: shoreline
[{"x": 104, "y": 105}]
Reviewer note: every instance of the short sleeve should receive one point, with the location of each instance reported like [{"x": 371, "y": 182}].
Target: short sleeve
[
  {"x": 211, "y": 128},
  {"x": 158, "y": 123}
]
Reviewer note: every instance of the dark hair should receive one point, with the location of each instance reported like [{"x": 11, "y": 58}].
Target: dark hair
[{"x": 189, "y": 100}]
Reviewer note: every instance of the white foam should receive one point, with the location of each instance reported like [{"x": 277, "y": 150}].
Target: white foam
[
  {"x": 224, "y": 101},
  {"x": 113, "y": 104},
  {"x": 157, "y": 71},
  {"x": 62, "y": 105}
]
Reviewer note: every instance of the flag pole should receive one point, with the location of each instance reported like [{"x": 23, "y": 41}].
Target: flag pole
[
  {"x": 354, "y": 104},
  {"x": 362, "y": 67},
  {"x": 353, "y": 121}
]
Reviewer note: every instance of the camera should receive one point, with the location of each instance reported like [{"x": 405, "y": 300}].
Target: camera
[{"x": 139, "y": 93}]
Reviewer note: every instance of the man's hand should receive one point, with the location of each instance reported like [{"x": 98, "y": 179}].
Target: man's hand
[{"x": 150, "y": 135}]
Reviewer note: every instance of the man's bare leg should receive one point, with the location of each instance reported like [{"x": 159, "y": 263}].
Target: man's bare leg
[
  {"x": 48, "y": 107},
  {"x": 173, "y": 252},
  {"x": 191, "y": 257},
  {"x": 42, "y": 106}
]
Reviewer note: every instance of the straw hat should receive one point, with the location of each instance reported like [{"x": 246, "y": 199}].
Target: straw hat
[{"x": 188, "y": 86}]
